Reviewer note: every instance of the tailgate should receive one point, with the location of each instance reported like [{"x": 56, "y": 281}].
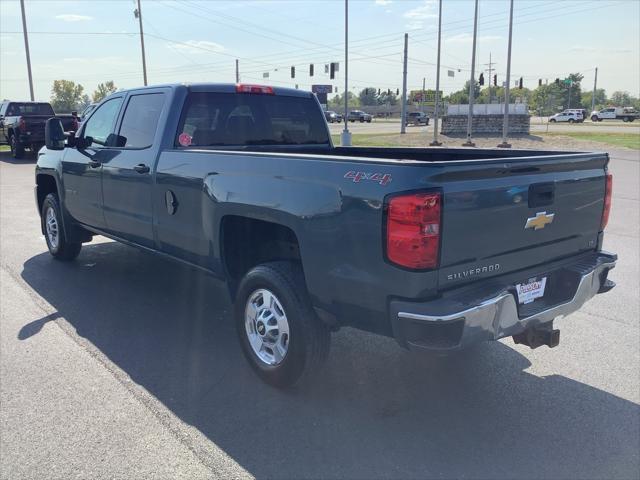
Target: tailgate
[{"x": 506, "y": 215}]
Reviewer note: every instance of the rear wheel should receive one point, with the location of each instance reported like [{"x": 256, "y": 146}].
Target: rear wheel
[
  {"x": 17, "y": 149},
  {"x": 594, "y": 118},
  {"x": 281, "y": 336},
  {"x": 571, "y": 120},
  {"x": 553, "y": 120},
  {"x": 51, "y": 217}
]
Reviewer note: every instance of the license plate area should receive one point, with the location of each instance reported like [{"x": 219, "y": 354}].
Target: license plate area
[{"x": 534, "y": 288}]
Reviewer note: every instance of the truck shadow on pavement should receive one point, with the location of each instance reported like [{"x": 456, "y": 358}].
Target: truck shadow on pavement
[{"x": 376, "y": 411}]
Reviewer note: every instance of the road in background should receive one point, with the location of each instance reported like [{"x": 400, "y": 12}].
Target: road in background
[
  {"x": 536, "y": 127},
  {"x": 124, "y": 365}
]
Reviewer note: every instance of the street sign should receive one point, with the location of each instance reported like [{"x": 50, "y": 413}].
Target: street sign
[{"x": 321, "y": 88}]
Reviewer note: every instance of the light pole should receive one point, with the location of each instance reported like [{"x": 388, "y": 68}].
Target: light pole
[
  {"x": 138, "y": 14},
  {"x": 26, "y": 49},
  {"x": 345, "y": 138},
  {"x": 435, "y": 142},
  {"x": 403, "y": 114},
  {"x": 472, "y": 82},
  {"x": 505, "y": 122},
  {"x": 593, "y": 97}
]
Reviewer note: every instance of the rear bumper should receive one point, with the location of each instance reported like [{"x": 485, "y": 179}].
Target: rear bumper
[{"x": 469, "y": 315}]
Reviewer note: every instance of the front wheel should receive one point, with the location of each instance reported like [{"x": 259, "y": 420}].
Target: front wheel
[
  {"x": 281, "y": 336},
  {"x": 57, "y": 243},
  {"x": 17, "y": 149}
]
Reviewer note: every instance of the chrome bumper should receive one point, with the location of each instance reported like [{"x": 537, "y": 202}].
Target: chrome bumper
[{"x": 438, "y": 325}]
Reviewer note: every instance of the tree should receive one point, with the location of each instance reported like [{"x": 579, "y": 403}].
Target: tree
[
  {"x": 547, "y": 99},
  {"x": 67, "y": 96},
  {"x": 462, "y": 96},
  {"x": 621, "y": 99},
  {"x": 388, "y": 97},
  {"x": 103, "y": 90},
  {"x": 601, "y": 99},
  {"x": 369, "y": 96},
  {"x": 337, "y": 102}
]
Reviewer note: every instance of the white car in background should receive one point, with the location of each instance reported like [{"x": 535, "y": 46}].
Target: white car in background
[{"x": 570, "y": 117}]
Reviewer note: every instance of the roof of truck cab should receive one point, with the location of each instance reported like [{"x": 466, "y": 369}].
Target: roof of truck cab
[{"x": 221, "y": 88}]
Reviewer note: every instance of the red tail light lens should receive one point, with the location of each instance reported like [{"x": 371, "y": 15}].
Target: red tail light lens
[
  {"x": 413, "y": 230},
  {"x": 607, "y": 201},
  {"x": 246, "y": 88},
  {"x": 22, "y": 125}
]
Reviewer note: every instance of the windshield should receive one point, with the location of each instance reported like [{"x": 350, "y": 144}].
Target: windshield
[
  {"x": 15, "y": 109},
  {"x": 222, "y": 119}
]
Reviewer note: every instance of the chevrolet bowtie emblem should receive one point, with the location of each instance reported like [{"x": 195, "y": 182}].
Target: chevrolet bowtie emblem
[{"x": 539, "y": 221}]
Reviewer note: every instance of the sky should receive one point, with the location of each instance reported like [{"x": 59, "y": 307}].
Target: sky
[{"x": 92, "y": 41}]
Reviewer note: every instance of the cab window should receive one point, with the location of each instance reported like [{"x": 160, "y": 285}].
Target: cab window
[
  {"x": 141, "y": 120},
  {"x": 102, "y": 123}
]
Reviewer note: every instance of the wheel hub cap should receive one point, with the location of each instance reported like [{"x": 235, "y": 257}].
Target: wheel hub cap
[
  {"x": 267, "y": 327},
  {"x": 51, "y": 225}
]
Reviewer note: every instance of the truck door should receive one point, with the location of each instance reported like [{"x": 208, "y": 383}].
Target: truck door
[
  {"x": 127, "y": 178},
  {"x": 82, "y": 168}
]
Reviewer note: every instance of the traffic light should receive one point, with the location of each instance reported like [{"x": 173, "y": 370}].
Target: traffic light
[
  {"x": 366, "y": 92},
  {"x": 388, "y": 91},
  {"x": 495, "y": 80},
  {"x": 378, "y": 91},
  {"x": 397, "y": 91},
  {"x": 520, "y": 84},
  {"x": 311, "y": 70},
  {"x": 293, "y": 72},
  {"x": 557, "y": 81},
  {"x": 539, "y": 82},
  {"x": 481, "y": 79},
  {"x": 332, "y": 71}
]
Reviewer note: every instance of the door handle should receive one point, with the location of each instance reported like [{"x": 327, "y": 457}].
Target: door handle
[
  {"x": 94, "y": 164},
  {"x": 141, "y": 168}
]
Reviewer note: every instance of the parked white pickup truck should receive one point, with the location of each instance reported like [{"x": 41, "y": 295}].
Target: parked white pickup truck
[{"x": 626, "y": 114}]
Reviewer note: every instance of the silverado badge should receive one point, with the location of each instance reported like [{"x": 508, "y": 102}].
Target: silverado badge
[{"x": 539, "y": 221}]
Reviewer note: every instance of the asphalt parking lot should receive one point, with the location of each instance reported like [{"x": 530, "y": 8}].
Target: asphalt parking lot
[{"x": 122, "y": 365}]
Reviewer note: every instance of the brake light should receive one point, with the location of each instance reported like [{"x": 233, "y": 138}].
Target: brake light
[
  {"x": 413, "y": 230},
  {"x": 22, "y": 125},
  {"x": 246, "y": 88},
  {"x": 607, "y": 201}
]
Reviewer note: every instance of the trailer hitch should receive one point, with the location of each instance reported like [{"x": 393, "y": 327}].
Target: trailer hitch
[{"x": 537, "y": 336}]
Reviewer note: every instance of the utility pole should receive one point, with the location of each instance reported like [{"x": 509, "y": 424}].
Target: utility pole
[
  {"x": 237, "y": 71},
  {"x": 138, "y": 14},
  {"x": 345, "y": 138},
  {"x": 489, "y": 70},
  {"x": 403, "y": 120},
  {"x": 26, "y": 49},
  {"x": 593, "y": 97},
  {"x": 507, "y": 85},
  {"x": 570, "y": 85},
  {"x": 423, "y": 100},
  {"x": 435, "y": 142},
  {"x": 472, "y": 82}
]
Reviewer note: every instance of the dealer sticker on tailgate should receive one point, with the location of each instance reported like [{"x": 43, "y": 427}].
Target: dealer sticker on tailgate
[{"x": 528, "y": 292}]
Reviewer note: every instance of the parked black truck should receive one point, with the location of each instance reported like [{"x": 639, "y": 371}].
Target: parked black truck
[
  {"x": 439, "y": 248},
  {"x": 22, "y": 125}
]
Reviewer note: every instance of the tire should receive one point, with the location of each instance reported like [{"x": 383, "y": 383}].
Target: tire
[
  {"x": 594, "y": 118},
  {"x": 571, "y": 120},
  {"x": 17, "y": 149},
  {"x": 59, "y": 247},
  {"x": 552, "y": 120},
  {"x": 308, "y": 344},
  {"x": 368, "y": 120}
]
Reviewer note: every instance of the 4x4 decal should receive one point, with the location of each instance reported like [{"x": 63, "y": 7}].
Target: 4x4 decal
[{"x": 356, "y": 177}]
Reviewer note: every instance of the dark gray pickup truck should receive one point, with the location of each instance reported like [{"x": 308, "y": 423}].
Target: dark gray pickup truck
[
  {"x": 438, "y": 248},
  {"x": 22, "y": 125}
]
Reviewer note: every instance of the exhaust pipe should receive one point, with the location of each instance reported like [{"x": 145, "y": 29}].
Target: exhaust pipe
[{"x": 537, "y": 336}]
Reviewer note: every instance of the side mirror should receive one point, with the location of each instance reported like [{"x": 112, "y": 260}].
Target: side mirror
[{"x": 54, "y": 134}]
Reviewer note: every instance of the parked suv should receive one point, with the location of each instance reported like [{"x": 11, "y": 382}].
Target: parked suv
[
  {"x": 360, "y": 116},
  {"x": 332, "y": 117},
  {"x": 417, "y": 118},
  {"x": 571, "y": 117}
]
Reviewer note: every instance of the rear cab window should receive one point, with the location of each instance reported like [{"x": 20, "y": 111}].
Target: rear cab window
[
  {"x": 16, "y": 108},
  {"x": 212, "y": 119}
]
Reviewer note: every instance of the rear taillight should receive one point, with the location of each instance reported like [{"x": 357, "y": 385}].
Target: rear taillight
[
  {"x": 246, "y": 88},
  {"x": 413, "y": 230},
  {"x": 607, "y": 201},
  {"x": 22, "y": 125}
]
